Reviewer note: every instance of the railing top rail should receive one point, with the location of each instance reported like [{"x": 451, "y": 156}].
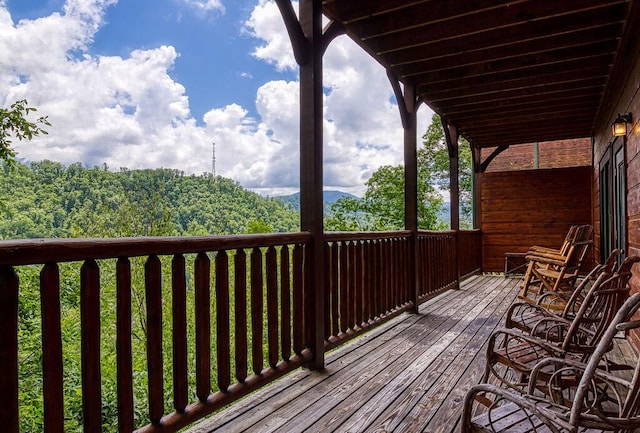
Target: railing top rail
[
  {"x": 448, "y": 232},
  {"x": 357, "y": 236},
  {"x": 37, "y": 251}
]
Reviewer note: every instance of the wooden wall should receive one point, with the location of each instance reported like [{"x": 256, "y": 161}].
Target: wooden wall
[
  {"x": 624, "y": 98},
  {"x": 532, "y": 207}
]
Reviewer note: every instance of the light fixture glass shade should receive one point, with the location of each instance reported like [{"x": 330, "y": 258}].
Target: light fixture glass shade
[
  {"x": 619, "y": 128},
  {"x": 620, "y": 124}
]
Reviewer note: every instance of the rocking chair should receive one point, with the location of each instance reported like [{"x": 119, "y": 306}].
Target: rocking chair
[
  {"x": 601, "y": 401},
  {"x": 511, "y": 355}
]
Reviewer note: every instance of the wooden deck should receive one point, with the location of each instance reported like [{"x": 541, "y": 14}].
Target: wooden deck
[{"x": 410, "y": 375}]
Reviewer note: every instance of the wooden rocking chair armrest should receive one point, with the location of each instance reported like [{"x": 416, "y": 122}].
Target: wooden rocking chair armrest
[
  {"x": 548, "y": 299},
  {"x": 547, "y": 259},
  {"x": 510, "y": 334},
  {"x": 529, "y": 403},
  {"x": 626, "y": 326},
  {"x": 567, "y": 362},
  {"x": 520, "y": 308},
  {"x": 538, "y": 249},
  {"x": 553, "y": 320}
]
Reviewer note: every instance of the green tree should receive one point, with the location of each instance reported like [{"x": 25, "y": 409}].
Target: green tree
[
  {"x": 14, "y": 123},
  {"x": 382, "y": 206},
  {"x": 434, "y": 158}
]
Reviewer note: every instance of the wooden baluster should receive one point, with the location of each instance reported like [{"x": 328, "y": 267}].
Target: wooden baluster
[
  {"x": 409, "y": 279},
  {"x": 368, "y": 282},
  {"x": 90, "y": 346},
  {"x": 328, "y": 272},
  {"x": 202, "y": 278},
  {"x": 240, "y": 287},
  {"x": 9, "y": 419},
  {"x": 257, "y": 308},
  {"x": 420, "y": 265},
  {"x": 431, "y": 260},
  {"x": 359, "y": 286},
  {"x": 377, "y": 277},
  {"x": 333, "y": 283},
  {"x": 366, "y": 264},
  {"x": 222, "y": 320},
  {"x": 298, "y": 304},
  {"x": 344, "y": 283},
  {"x": 391, "y": 261},
  {"x": 51, "y": 348},
  {"x": 153, "y": 286},
  {"x": 386, "y": 277},
  {"x": 285, "y": 300},
  {"x": 123, "y": 345},
  {"x": 351, "y": 287},
  {"x": 272, "y": 305},
  {"x": 179, "y": 313}
]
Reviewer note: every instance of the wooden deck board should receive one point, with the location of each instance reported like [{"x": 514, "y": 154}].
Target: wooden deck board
[{"x": 408, "y": 375}]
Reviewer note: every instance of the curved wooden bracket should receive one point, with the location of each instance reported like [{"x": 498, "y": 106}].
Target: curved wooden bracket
[
  {"x": 451, "y": 137},
  {"x": 299, "y": 41},
  {"x": 401, "y": 98},
  {"x": 497, "y": 151},
  {"x": 330, "y": 32}
]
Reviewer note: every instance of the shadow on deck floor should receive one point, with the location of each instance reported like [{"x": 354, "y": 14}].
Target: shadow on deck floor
[{"x": 409, "y": 375}]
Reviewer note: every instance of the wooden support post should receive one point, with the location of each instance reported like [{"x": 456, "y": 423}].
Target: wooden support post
[
  {"x": 306, "y": 37},
  {"x": 451, "y": 137},
  {"x": 408, "y": 106}
]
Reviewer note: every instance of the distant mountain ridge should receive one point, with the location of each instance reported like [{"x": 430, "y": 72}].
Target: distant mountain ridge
[{"x": 329, "y": 197}]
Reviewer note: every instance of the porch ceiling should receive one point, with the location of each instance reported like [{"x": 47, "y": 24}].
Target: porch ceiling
[{"x": 503, "y": 72}]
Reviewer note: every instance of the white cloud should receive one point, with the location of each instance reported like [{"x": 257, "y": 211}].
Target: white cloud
[
  {"x": 129, "y": 112},
  {"x": 205, "y": 5},
  {"x": 265, "y": 23}
]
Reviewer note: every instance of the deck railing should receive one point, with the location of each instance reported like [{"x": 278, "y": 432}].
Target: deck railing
[
  {"x": 171, "y": 329},
  {"x": 367, "y": 281}
]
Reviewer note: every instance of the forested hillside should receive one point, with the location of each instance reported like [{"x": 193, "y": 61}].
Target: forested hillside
[{"x": 48, "y": 199}]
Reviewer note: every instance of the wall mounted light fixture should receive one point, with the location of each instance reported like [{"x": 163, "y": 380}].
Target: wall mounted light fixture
[{"x": 620, "y": 124}]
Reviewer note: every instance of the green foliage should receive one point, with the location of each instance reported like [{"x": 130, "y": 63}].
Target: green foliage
[
  {"x": 434, "y": 158},
  {"x": 258, "y": 226},
  {"x": 47, "y": 199},
  {"x": 14, "y": 124},
  {"x": 382, "y": 206}
]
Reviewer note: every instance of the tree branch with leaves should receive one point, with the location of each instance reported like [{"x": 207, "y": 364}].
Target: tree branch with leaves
[{"x": 14, "y": 124}]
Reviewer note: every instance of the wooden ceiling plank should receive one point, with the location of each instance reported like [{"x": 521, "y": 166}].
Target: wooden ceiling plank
[
  {"x": 517, "y": 120},
  {"x": 518, "y": 68},
  {"x": 539, "y": 47},
  {"x": 532, "y": 93},
  {"x": 421, "y": 15},
  {"x": 556, "y": 58},
  {"x": 455, "y": 91},
  {"x": 484, "y": 21},
  {"x": 565, "y": 105},
  {"x": 508, "y": 103},
  {"x": 357, "y": 10},
  {"x": 496, "y": 38}
]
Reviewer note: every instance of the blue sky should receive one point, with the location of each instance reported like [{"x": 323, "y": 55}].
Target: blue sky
[{"x": 145, "y": 84}]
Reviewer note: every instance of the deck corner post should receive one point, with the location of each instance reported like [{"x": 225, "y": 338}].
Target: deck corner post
[{"x": 311, "y": 174}]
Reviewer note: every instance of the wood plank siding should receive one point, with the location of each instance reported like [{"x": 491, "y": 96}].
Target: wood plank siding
[
  {"x": 532, "y": 207},
  {"x": 409, "y": 375},
  {"x": 623, "y": 98}
]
